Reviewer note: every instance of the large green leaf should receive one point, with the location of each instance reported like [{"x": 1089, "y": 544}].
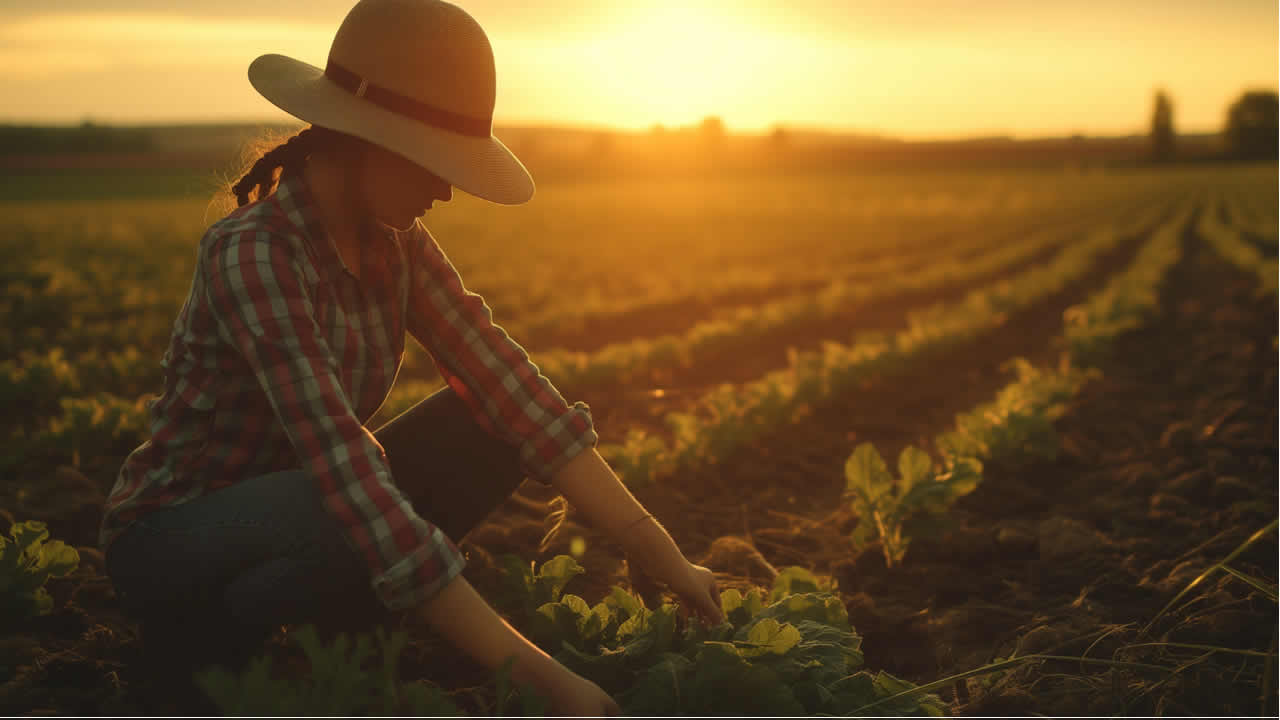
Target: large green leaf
[
  {"x": 623, "y": 602},
  {"x": 577, "y": 605},
  {"x": 662, "y": 689},
  {"x": 863, "y": 533},
  {"x": 816, "y": 607},
  {"x": 964, "y": 476},
  {"x": 824, "y": 655},
  {"x": 915, "y": 467},
  {"x": 26, "y": 564},
  {"x": 792, "y": 580},
  {"x": 725, "y": 683},
  {"x": 768, "y": 636},
  {"x": 57, "y": 559},
  {"x": 555, "y": 574},
  {"x": 866, "y": 474},
  {"x": 649, "y": 632},
  {"x": 739, "y": 609},
  {"x": 555, "y": 623}
]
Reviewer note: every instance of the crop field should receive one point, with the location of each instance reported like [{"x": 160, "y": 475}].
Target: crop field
[{"x": 954, "y": 443}]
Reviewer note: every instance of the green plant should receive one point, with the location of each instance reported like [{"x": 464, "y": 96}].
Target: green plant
[
  {"x": 1017, "y": 426},
  {"x": 529, "y": 589},
  {"x": 531, "y": 703},
  {"x": 31, "y": 388},
  {"x": 798, "y": 654},
  {"x": 1235, "y": 249},
  {"x": 90, "y": 427},
  {"x": 339, "y": 682},
  {"x": 26, "y": 563},
  {"x": 732, "y": 416},
  {"x": 884, "y": 504}
]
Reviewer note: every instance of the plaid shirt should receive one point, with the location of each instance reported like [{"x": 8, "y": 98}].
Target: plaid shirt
[{"x": 280, "y": 355}]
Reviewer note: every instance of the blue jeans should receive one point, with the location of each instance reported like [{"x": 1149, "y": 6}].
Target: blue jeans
[{"x": 215, "y": 576}]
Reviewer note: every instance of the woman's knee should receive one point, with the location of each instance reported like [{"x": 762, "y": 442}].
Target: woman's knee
[{"x": 195, "y": 551}]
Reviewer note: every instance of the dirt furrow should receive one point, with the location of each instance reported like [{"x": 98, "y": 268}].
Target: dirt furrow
[
  {"x": 1169, "y": 463},
  {"x": 683, "y": 386},
  {"x": 1024, "y": 334},
  {"x": 781, "y": 491},
  {"x": 904, "y": 408},
  {"x": 624, "y": 405},
  {"x": 679, "y": 315}
]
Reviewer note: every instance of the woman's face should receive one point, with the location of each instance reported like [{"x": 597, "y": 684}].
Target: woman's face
[{"x": 398, "y": 191}]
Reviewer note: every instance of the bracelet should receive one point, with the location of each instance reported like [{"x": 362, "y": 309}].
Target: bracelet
[{"x": 637, "y": 521}]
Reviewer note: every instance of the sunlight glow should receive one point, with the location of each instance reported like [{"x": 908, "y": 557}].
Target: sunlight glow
[
  {"x": 919, "y": 70},
  {"x": 105, "y": 41},
  {"x": 675, "y": 65},
  {"x": 678, "y": 61}
]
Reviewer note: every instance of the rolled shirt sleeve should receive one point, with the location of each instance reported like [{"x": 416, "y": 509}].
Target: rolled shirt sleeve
[
  {"x": 262, "y": 302},
  {"x": 507, "y": 394}
]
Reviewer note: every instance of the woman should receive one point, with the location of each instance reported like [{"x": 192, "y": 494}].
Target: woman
[{"x": 261, "y": 499}]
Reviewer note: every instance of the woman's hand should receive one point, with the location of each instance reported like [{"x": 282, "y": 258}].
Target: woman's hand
[
  {"x": 589, "y": 484},
  {"x": 694, "y": 584},
  {"x": 699, "y": 594},
  {"x": 572, "y": 694}
]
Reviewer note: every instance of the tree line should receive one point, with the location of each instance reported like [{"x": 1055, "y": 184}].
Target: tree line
[{"x": 1249, "y": 132}]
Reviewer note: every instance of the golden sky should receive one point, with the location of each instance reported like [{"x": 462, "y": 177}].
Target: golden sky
[{"x": 917, "y": 69}]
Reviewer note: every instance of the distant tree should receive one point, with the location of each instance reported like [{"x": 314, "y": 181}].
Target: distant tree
[
  {"x": 779, "y": 137},
  {"x": 1162, "y": 128},
  {"x": 712, "y": 131},
  {"x": 1252, "y": 126}
]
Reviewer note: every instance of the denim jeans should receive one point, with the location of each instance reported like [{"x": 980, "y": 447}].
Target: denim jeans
[{"x": 221, "y": 572}]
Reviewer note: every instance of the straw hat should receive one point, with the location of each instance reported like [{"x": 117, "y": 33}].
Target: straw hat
[{"x": 415, "y": 77}]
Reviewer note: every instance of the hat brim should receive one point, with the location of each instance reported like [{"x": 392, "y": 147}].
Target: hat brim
[{"x": 480, "y": 166}]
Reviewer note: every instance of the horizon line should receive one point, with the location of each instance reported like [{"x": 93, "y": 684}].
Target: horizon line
[{"x": 544, "y": 125}]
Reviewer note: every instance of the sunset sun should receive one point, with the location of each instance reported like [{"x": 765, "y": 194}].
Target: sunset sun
[{"x": 677, "y": 63}]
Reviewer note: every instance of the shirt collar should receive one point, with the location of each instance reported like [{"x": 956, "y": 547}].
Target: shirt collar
[{"x": 299, "y": 205}]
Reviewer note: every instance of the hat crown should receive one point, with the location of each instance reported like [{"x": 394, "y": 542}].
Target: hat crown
[{"x": 428, "y": 50}]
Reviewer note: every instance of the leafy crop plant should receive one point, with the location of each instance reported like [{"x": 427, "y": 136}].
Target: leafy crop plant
[
  {"x": 343, "y": 681},
  {"x": 884, "y": 505},
  {"x": 26, "y": 563},
  {"x": 792, "y": 653}
]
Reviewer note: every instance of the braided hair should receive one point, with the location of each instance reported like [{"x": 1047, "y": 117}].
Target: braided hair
[
  {"x": 266, "y": 171},
  {"x": 262, "y": 178}
]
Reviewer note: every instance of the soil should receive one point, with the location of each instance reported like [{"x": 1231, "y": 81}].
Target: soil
[
  {"x": 679, "y": 315},
  {"x": 1168, "y": 464},
  {"x": 632, "y": 404},
  {"x": 681, "y": 387}
]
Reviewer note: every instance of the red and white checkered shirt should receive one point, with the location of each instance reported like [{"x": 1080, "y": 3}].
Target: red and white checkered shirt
[{"x": 280, "y": 355}]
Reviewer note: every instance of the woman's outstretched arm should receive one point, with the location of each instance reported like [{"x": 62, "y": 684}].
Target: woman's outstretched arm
[
  {"x": 460, "y": 615},
  {"x": 507, "y": 394},
  {"x": 590, "y": 485}
]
